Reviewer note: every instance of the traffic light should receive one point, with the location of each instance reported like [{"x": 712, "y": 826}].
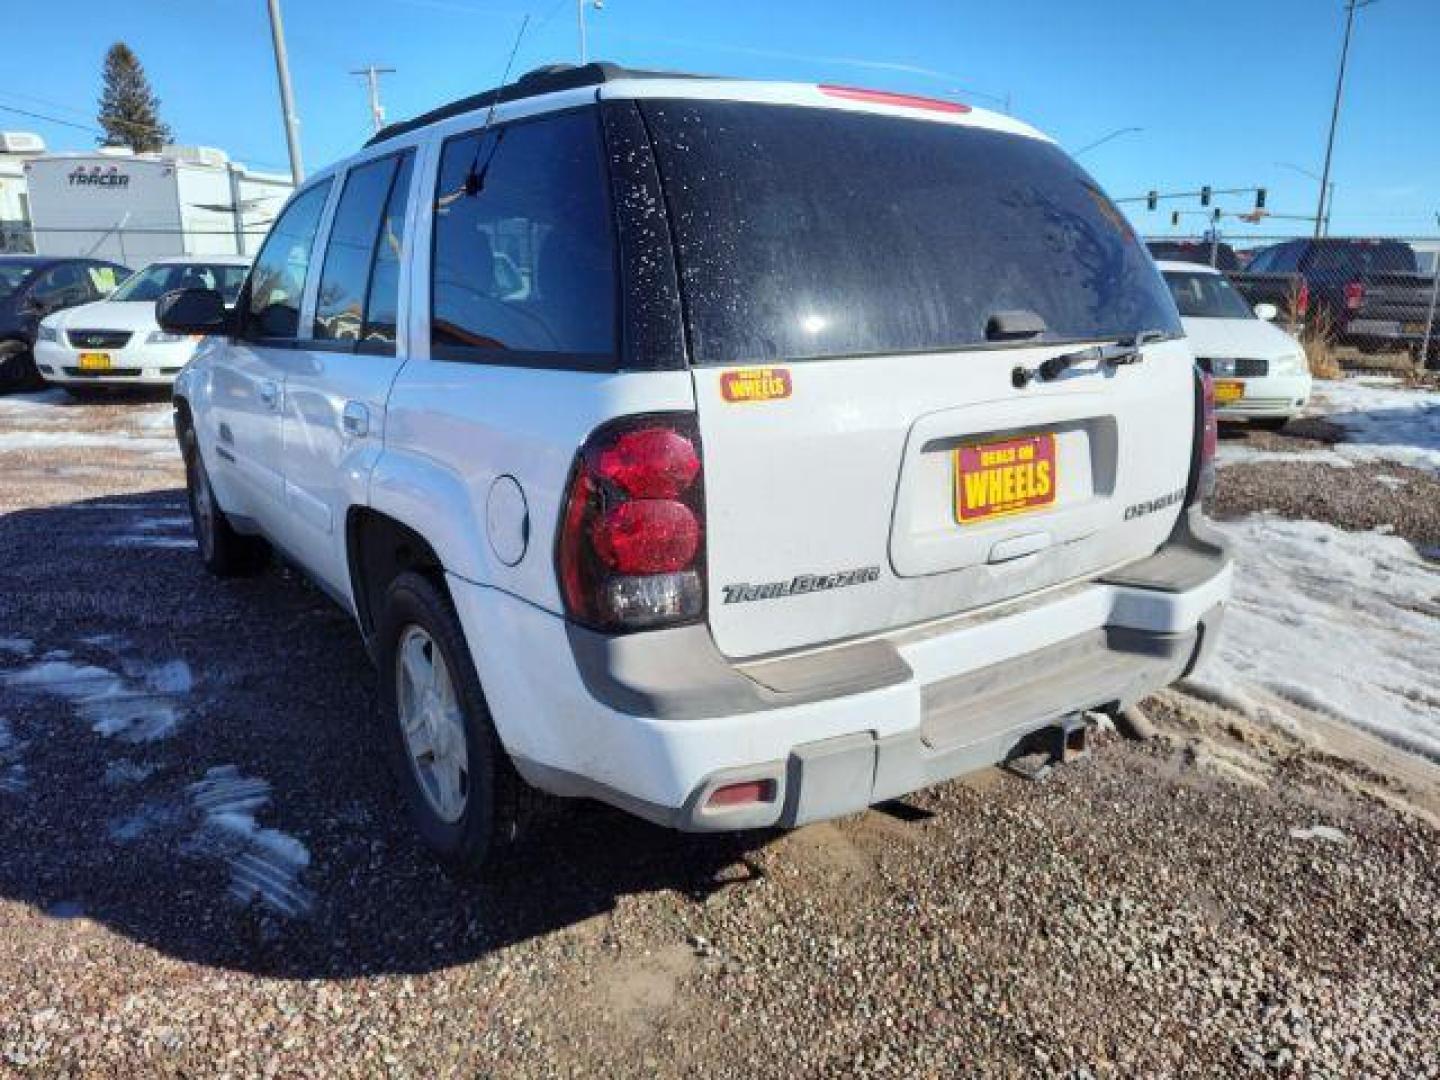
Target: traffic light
[
  {"x": 1260, "y": 198},
  {"x": 1205, "y": 195},
  {"x": 1152, "y": 200},
  {"x": 1174, "y": 219}
]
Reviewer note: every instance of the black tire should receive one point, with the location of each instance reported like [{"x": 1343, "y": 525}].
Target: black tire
[
  {"x": 1270, "y": 423},
  {"x": 225, "y": 552},
  {"x": 18, "y": 372},
  {"x": 494, "y": 794}
]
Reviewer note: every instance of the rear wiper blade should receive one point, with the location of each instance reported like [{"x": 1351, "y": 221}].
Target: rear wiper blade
[{"x": 1114, "y": 354}]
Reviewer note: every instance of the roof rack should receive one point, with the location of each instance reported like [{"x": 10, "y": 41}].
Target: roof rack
[{"x": 542, "y": 80}]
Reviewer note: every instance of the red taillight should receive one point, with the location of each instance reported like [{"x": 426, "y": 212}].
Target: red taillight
[
  {"x": 1210, "y": 437},
  {"x": 1207, "y": 438},
  {"x": 647, "y": 536},
  {"x": 885, "y": 97},
  {"x": 631, "y": 547},
  {"x": 1303, "y": 300},
  {"x": 1354, "y": 295},
  {"x": 651, "y": 463}
]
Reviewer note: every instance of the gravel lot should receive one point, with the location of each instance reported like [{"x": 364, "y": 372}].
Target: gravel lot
[{"x": 202, "y": 868}]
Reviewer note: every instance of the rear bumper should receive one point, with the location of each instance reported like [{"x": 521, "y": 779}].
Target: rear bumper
[
  {"x": 655, "y": 723},
  {"x": 1385, "y": 333}
]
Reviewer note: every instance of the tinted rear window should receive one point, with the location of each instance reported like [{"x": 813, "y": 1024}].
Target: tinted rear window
[
  {"x": 808, "y": 232},
  {"x": 1361, "y": 257}
]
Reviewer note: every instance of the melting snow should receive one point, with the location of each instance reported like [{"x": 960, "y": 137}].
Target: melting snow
[
  {"x": 1342, "y": 623},
  {"x": 265, "y": 864},
  {"x": 111, "y": 705},
  {"x": 1383, "y": 421},
  {"x": 84, "y": 440}
]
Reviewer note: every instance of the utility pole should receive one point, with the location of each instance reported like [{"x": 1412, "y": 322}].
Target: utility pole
[
  {"x": 287, "y": 97},
  {"x": 580, "y": 6},
  {"x": 1322, "y": 211},
  {"x": 372, "y": 77}
]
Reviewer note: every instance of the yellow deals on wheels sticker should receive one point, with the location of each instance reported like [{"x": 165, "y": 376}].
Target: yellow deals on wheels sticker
[
  {"x": 755, "y": 384},
  {"x": 1009, "y": 477}
]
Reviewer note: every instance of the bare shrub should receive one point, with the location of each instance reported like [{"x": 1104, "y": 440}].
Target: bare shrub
[{"x": 1316, "y": 336}]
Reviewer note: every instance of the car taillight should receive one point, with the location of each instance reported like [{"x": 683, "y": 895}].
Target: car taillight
[
  {"x": 1207, "y": 439},
  {"x": 1303, "y": 301},
  {"x": 1354, "y": 295},
  {"x": 630, "y": 554}
]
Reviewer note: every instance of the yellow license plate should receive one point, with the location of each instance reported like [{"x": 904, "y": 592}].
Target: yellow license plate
[
  {"x": 1228, "y": 390},
  {"x": 94, "y": 361},
  {"x": 1413, "y": 328},
  {"x": 1010, "y": 476}
]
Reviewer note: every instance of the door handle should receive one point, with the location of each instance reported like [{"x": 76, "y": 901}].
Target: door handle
[
  {"x": 355, "y": 419},
  {"x": 269, "y": 393}
]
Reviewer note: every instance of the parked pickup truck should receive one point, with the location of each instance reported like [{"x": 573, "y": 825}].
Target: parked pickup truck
[
  {"x": 1339, "y": 275},
  {"x": 1392, "y": 312}
]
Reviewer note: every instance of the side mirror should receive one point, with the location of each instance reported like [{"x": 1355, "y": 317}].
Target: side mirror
[
  {"x": 1268, "y": 312},
  {"x": 192, "y": 311}
]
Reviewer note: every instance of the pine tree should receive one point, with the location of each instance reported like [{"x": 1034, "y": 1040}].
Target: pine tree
[{"x": 129, "y": 109}]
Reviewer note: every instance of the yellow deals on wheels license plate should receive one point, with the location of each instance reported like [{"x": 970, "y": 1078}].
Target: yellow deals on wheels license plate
[
  {"x": 94, "y": 361},
  {"x": 1007, "y": 477},
  {"x": 1227, "y": 390}
]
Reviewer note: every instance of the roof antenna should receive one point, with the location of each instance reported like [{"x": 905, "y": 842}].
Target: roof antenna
[{"x": 475, "y": 179}]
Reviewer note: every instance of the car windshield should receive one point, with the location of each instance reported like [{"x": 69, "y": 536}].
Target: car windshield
[
  {"x": 12, "y": 278},
  {"x": 808, "y": 233},
  {"x": 157, "y": 279},
  {"x": 1206, "y": 296}
]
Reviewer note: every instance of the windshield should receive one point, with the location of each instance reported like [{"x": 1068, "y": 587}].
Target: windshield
[
  {"x": 12, "y": 278},
  {"x": 1206, "y": 296},
  {"x": 157, "y": 279},
  {"x": 808, "y": 232}
]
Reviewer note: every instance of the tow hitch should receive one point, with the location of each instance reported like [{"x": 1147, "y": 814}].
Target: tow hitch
[{"x": 1065, "y": 741}]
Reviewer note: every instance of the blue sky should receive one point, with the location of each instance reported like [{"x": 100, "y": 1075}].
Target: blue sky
[{"x": 1223, "y": 90}]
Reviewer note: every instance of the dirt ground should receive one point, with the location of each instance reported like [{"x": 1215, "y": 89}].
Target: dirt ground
[{"x": 203, "y": 868}]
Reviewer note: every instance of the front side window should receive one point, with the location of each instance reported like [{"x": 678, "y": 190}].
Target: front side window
[
  {"x": 60, "y": 286},
  {"x": 364, "y": 231},
  {"x": 277, "y": 282},
  {"x": 1206, "y": 296},
  {"x": 808, "y": 233},
  {"x": 524, "y": 255},
  {"x": 157, "y": 279}
]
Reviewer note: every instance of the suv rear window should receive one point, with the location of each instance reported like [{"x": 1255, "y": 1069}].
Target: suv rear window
[{"x": 807, "y": 233}]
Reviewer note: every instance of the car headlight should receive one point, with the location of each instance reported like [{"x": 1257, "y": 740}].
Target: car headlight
[
  {"x": 1222, "y": 365},
  {"x": 47, "y": 333},
  {"x": 164, "y": 337},
  {"x": 1291, "y": 364}
]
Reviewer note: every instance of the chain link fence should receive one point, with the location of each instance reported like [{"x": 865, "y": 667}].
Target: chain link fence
[{"x": 1347, "y": 298}]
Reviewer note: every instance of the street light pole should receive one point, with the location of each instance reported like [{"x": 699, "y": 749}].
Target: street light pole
[
  {"x": 1322, "y": 211},
  {"x": 1327, "y": 190},
  {"x": 287, "y": 97}
]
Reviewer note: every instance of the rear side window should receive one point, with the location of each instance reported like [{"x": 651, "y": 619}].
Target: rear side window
[
  {"x": 357, "y": 299},
  {"x": 277, "y": 282},
  {"x": 524, "y": 259},
  {"x": 1357, "y": 258},
  {"x": 808, "y": 232}
]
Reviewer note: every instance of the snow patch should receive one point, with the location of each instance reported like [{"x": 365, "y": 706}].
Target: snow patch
[
  {"x": 265, "y": 864},
  {"x": 1345, "y": 624},
  {"x": 1383, "y": 421},
  {"x": 84, "y": 440},
  {"x": 112, "y": 706}
]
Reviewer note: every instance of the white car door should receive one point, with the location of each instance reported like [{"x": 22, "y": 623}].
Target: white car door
[
  {"x": 334, "y": 413},
  {"x": 247, "y": 378}
]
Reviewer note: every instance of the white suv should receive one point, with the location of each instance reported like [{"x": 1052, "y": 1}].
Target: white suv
[{"x": 740, "y": 454}]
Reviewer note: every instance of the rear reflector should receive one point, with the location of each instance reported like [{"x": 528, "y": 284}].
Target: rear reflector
[
  {"x": 904, "y": 101},
  {"x": 743, "y": 794}
]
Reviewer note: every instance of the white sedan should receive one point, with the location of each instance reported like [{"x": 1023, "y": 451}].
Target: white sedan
[
  {"x": 1260, "y": 372},
  {"x": 117, "y": 342}
]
